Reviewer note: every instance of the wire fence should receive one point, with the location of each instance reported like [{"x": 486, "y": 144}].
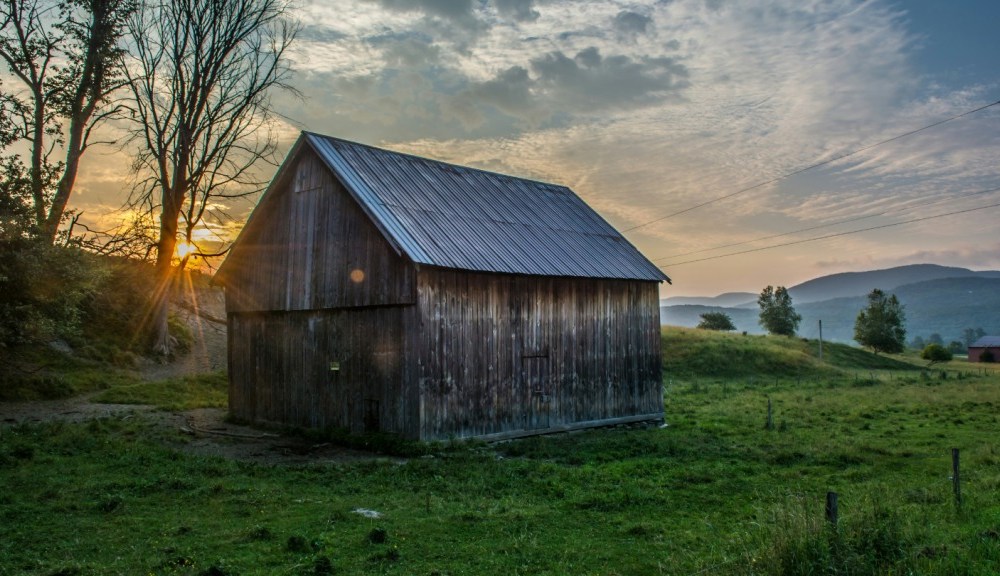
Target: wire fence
[
  {"x": 928, "y": 479},
  {"x": 835, "y": 512},
  {"x": 858, "y": 377}
]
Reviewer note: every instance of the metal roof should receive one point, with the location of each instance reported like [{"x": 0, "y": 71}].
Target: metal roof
[
  {"x": 987, "y": 342},
  {"x": 452, "y": 216}
]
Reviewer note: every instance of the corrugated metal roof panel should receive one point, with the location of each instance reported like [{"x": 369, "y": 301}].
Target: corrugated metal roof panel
[
  {"x": 986, "y": 342},
  {"x": 451, "y": 216}
]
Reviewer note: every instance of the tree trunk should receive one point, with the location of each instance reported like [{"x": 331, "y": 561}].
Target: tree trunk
[
  {"x": 88, "y": 94},
  {"x": 51, "y": 225},
  {"x": 38, "y": 159},
  {"x": 160, "y": 303}
]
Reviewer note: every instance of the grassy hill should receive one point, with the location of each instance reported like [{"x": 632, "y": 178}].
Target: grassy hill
[{"x": 691, "y": 353}]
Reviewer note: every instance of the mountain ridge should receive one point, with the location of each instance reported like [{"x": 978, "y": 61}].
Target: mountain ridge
[{"x": 943, "y": 300}]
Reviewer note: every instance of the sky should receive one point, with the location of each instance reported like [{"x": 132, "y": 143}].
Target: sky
[{"x": 648, "y": 109}]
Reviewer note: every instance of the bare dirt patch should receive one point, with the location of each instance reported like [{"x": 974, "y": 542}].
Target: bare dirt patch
[
  {"x": 204, "y": 312},
  {"x": 203, "y": 431}
]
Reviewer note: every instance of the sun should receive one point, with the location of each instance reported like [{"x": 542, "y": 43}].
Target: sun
[{"x": 185, "y": 249}]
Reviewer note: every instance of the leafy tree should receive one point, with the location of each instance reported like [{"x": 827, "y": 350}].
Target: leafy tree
[
  {"x": 935, "y": 353},
  {"x": 201, "y": 74},
  {"x": 42, "y": 290},
  {"x": 880, "y": 326},
  {"x": 716, "y": 321},
  {"x": 777, "y": 315},
  {"x": 987, "y": 356},
  {"x": 935, "y": 338},
  {"x": 970, "y": 335},
  {"x": 63, "y": 64},
  {"x": 918, "y": 343},
  {"x": 956, "y": 347}
]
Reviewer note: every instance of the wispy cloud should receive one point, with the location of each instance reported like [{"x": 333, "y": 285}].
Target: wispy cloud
[{"x": 647, "y": 107}]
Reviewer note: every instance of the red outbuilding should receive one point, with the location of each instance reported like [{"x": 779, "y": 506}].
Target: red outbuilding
[{"x": 986, "y": 349}]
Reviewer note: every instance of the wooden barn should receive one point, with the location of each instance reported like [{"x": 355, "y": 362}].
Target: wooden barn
[
  {"x": 986, "y": 349},
  {"x": 378, "y": 291}
]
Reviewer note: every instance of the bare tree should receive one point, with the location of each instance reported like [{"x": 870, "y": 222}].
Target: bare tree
[
  {"x": 133, "y": 238},
  {"x": 201, "y": 74},
  {"x": 63, "y": 58}
]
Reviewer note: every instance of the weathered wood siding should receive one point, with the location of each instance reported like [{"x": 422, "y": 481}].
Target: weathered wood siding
[
  {"x": 316, "y": 301},
  {"x": 330, "y": 328},
  {"x": 504, "y": 354},
  {"x": 323, "y": 369},
  {"x": 313, "y": 248}
]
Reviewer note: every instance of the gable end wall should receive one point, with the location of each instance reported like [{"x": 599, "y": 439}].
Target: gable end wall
[{"x": 314, "y": 249}]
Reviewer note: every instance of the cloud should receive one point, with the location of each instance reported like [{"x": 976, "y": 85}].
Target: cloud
[
  {"x": 510, "y": 93},
  {"x": 457, "y": 10},
  {"x": 590, "y": 82},
  {"x": 559, "y": 89},
  {"x": 978, "y": 257},
  {"x": 320, "y": 34},
  {"x": 519, "y": 10},
  {"x": 629, "y": 24},
  {"x": 410, "y": 50},
  {"x": 647, "y": 108}
]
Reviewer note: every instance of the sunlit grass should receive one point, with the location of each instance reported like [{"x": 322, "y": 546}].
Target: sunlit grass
[{"x": 185, "y": 393}]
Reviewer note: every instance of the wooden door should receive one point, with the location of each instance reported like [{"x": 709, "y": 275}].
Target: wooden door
[{"x": 536, "y": 382}]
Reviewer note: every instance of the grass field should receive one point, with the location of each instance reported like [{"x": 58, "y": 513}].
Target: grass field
[{"x": 714, "y": 492}]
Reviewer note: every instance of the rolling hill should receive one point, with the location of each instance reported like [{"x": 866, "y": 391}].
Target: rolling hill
[
  {"x": 945, "y": 305},
  {"x": 859, "y": 283},
  {"x": 728, "y": 300}
]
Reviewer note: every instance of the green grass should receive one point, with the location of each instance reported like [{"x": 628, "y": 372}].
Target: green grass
[
  {"x": 711, "y": 493},
  {"x": 200, "y": 391},
  {"x": 692, "y": 355},
  {"x": 39, "y": 373}
]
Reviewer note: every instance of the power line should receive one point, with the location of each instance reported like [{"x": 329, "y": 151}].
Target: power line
[
  {"x": 846, "y": 221},
  {"x": 849, "y": 232},
  {"x": 812, "y": 166},
  {"x": 827, "y": 225}
]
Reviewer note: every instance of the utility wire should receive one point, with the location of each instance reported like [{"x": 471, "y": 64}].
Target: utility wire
[
  {"x": 772, "y": 236},
  {"x": 903, "y": 209},
  {"x": 849, "y": 232},
  {"x": 810, "y": 167}
]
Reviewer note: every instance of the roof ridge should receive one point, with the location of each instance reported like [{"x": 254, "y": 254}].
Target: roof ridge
[
  {"x": 560, "y": 187},
  {"x": 452, "y": 216}
]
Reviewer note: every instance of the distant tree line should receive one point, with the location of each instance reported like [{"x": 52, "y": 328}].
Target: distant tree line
[
  {"x": 880, "y": 326},
  {"x": 969, "y": 337}
]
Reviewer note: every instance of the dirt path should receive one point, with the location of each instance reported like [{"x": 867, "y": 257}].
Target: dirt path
[
  {"x": 203, "y": 431},
  {"x": 75, "y": 409},
  {"x": 208, "y": 352}
]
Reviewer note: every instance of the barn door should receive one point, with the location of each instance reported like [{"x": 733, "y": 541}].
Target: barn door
[{"x": 536, "y": 380}]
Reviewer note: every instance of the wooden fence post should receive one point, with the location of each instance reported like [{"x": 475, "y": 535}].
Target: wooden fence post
[
  {"x": 831, "y": 508},
  {"x": 769, "y": 425},
  {"x": 956, "y": 481}
]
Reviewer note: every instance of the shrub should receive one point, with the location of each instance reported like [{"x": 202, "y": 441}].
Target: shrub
[
  {"x": 42, "y": 290},
  {"x": 935, "y": 353},
  {"x": 716, "y": 321}
]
